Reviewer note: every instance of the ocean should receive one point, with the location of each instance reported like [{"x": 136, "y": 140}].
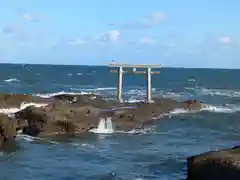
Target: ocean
[{"x": 159, "y": 152}]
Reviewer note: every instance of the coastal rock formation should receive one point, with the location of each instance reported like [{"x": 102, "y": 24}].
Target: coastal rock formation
[
  {"x": 57, "y": 119},
  {"x": 193, "y": 104},
  {"x": 7, "y": 129},
  {"x": 74, "y": 114},
  {"x": 220, "y": 165},
  {"x": 15, "y": 100}
]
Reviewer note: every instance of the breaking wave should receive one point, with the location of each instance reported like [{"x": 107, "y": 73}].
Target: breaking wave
[
  {"x": 215, "y": 92},
  {"x": 209, "y": 108},
  {"x": 49, "y": 95},
  {"x": 226, "y": 108},
  {"x": 32, "y": 139},
  {"x": 11, "y": 80},
  {"x": 22, "y": 106}
]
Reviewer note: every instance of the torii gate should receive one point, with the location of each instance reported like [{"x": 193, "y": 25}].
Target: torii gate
[{"x": 147, "y": 72}]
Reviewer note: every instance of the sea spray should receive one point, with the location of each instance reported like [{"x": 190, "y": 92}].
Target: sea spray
[
  {"x": 104, "y": 126},
  {"x": 109, "y": 123}
]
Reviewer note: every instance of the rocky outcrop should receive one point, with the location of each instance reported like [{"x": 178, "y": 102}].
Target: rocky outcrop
[
  {"x": 57, "y": 119},
  {"x": 7, "y": 129},
  {"x": 193, "y": 104},
  {"x": 15, "y": 100},
  {"x": 74, "y": 114},
  {"x": 220, "y": 165}
]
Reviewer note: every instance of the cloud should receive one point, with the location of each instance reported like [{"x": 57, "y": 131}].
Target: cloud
[
  {"x": 7, "y": 30},
  {"x": 152, "y": 20},
  {"x": 147, "y": 41},
  {"x": 33, "y": 18},
  {"x": 77, "y": 41},
  {"x": 110, "y": 36},
  {"x": 225, "y": 40}
]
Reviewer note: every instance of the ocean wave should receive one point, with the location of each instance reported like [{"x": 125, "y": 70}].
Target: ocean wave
[
  {"x": 227, "y": 108},
  {"x": 215, "y": 92},
  {"x": 222, "y": 109},
  {"x": 49, "y": 95},
  {"x": 23, "y": 105},
  {"x": 142, "y": 131},
  {"x": 210, "y": 108},
  {"x": 11, "y": 80},
  {"x": 105, "y": 88},
  {"x": 32, "y": 139},
  {"x": 131, "y": 94},
  {"x": 191, "y": 80},
  {"x": 137, "y": 94}
]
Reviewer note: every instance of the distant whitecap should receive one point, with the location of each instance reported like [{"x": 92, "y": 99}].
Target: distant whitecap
[{"x": 11, "y": 80}]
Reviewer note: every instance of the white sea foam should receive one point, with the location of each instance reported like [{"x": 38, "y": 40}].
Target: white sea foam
[
  {"x": 215, "y": 92},
  {"x": 138, "y": 98},
  {"x": 133, "y": 100},
  {"x": 209, "y": 108},
  {"x": 191, "y": 80},
  {"x": 11, "y": 80},
  {"x": 222, "y": 109},
  {"x": 139, "y": 131},
  {"x": 105, "y": 88},
  {"x": 22, "y": 106},
  {"x": 31, "y": 139},
  {"x": 49, "y": 95},
  {"x": 179, "y": 111},
  {"x": 104, "y": 126}
]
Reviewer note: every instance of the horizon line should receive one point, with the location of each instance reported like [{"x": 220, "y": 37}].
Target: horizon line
[{"x": 106, "y": 65}]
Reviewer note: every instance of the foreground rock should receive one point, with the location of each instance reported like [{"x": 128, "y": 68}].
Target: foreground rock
[
  {"x": 15, "y": 100},
  {"x": 7, "y": 129},
  {"x": 74, "y": 114},
  {"x": 219, "y": 165}
]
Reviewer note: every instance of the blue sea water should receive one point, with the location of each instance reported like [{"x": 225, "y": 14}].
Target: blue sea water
[{"x": 157, "y": 153}]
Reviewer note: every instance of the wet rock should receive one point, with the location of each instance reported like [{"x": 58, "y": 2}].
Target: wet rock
[
  {"x": 7, "y": 129},
  {"x": 73, "y": 114},
  {"x": 220, "y": 165},
  {"x": 15, "y": 100},
  {"x": 87, "y": 99},
  {"x": 57, "y": 119},
  {"x": 193, "y": 104}
]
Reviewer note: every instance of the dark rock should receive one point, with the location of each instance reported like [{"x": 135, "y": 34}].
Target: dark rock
[
  {"x": 220, "y": 165},
  {"x": 193, "y": 104},
  {"x": 57, "y": 119},
  {"x": 80, "y": 113},
  {"x": 87, "y": 99},
  {"x": 7, "y": 129},
  {"x": 15, "y": 100}
]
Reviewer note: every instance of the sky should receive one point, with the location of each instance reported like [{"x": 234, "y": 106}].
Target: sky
[{"x": 173, "y": 33}]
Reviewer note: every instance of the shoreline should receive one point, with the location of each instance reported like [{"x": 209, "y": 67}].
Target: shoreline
[
  {"x": 69, "y": 115},
  {"x": 77, "y": 113}
]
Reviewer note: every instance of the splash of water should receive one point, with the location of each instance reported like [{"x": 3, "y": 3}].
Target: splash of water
[{"x": 104, "y": 127}]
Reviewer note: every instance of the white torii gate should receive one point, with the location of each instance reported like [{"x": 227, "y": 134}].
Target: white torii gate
[{"x": 147, "y": 72}]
